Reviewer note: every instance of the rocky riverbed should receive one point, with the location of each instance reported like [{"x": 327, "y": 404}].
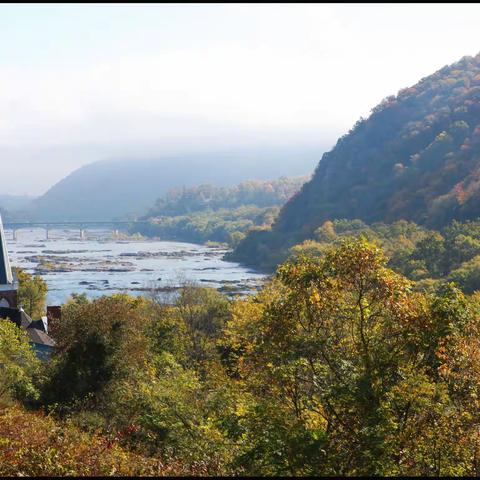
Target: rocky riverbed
[{"x": 140, "y": 267}]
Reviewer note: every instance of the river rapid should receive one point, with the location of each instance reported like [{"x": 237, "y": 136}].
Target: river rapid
[{"x": 101, "y": 264}]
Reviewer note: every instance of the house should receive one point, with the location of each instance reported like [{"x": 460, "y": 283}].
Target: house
[{"x": 37, "y": 330}]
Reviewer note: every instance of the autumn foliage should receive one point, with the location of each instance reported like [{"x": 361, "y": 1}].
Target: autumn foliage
[
  {"x": 32, "y": 444},
  {"x": 339, "y": 366},
  {"x": 415, "y": 158}
]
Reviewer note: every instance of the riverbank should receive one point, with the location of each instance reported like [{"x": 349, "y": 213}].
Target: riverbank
[{"x": 101, "y": 265}]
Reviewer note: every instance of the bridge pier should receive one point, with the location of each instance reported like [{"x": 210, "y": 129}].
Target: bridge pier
[{"x": 82, "y": 226}]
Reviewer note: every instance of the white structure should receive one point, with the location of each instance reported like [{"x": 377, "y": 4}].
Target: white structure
[{"x": 8, "y": 282}]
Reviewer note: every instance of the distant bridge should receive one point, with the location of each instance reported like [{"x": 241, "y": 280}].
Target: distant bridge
[{"x": 82, "y": 226}]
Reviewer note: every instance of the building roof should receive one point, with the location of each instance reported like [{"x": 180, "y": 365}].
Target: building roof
[
  {"x": 17, "y": 316},
  {"x": 6, "y": 276},
  {"x": 41, "y": 324},
  {"x": 39, "y": 337},
  {"x": 34, "y": 329}
]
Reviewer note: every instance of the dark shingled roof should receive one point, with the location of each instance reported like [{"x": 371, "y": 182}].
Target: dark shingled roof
[
  {"x": 37, "y": 336},
  {"x": 19, "y": 317},
  {"x": 35, "y": 329},
  {"x": 39, "y": 325},
  {"x": 6, "y": 276}
]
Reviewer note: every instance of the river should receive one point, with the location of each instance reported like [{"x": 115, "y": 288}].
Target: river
[{"x": 100, "y": 264}]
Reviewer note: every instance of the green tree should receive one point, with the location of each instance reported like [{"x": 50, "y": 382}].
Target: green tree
[
  {"x": 18, "y": 363},
  {"x": 348, "y": 369},
  {"x": 32, "y": 293},
  {"x": 97, "y": 341},
  {"x": 203, "y": 313},
  {"x": 432, "y": 251},
  {"x": 467, "y": 276}
]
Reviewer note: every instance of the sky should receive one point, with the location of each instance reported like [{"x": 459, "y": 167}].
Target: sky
[{"x": 86, "y": 82}]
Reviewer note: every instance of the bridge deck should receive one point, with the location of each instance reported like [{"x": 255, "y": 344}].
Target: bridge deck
[{"x": 78, "y": 224}]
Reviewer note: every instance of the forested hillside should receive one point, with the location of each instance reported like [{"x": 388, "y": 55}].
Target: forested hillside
[
  {"x": 417, "y": 157},
  {"x": 220, "y": 214},
  {"x": 180, "y": 201},
  {"x": 107, "y": 190}
]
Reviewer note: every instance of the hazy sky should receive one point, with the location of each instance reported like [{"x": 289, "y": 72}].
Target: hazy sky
[{"x": 80, "y": 83}]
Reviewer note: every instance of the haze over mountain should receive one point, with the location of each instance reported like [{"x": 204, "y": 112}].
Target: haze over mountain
[
  {"x": 106, "y": 190},
  {"x": 81, "y": 83},
  {"x": 417, "y": 157},
  {"x": 15, "y": 202}
]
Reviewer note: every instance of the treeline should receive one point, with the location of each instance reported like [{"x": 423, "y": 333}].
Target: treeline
[
  {"x": 340, "y": 366},
  {"x": 426, "y": 256},
  {"x": 181, "y": 201},
  {"x": 416, "y": 157},
  {"x": 223, "y": 225},
  {"x": 218, "y": 214}
]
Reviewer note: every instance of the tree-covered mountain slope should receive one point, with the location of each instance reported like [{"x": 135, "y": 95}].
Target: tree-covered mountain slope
[
  {"x": 106, "y": 190},
  {"x": 417, "y": 157},
  {"x": 219, "y": 214},
  {"x": 261, "y": 193}
]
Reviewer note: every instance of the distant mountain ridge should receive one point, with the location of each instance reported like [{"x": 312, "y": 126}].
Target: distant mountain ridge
[
  {"x": 15, "y": 202},
  {"x": 417, "y": 157},
  {"x": 14, "y": 208},
  {"x": 107, "y": 190}
]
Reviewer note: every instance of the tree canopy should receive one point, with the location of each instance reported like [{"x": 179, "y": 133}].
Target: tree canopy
[
  {"x": 339, "y": 366},
  {"x": 415, "y": 158}
]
